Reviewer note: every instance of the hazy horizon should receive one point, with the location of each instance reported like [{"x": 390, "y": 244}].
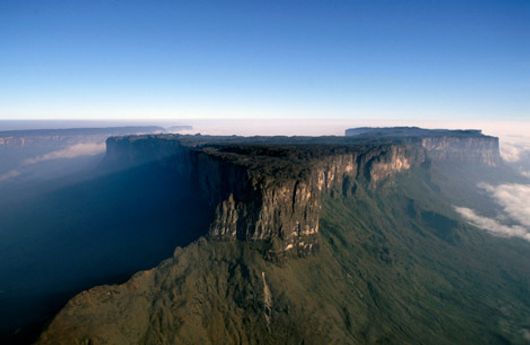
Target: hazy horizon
[{"x": 278, "y": 126}]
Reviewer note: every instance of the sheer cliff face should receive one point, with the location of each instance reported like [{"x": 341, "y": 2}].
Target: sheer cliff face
[
  {"x": 477, "y": 150},
  {"x": 249, "y": 205},
  {"x": 249, "y": 202},
  {"x": 288, "y": 209},
  {"x": 468, "y": 146},
  {"x": 381, "y": 164}
]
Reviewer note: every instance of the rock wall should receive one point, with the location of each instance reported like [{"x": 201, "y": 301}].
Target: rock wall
[
  {"x": 473, "y": 150},
  {"x": 290, "y": 210}
]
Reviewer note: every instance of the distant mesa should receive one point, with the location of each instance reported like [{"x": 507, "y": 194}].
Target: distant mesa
[
  {"x": 109, "y": 131},
  {"x": 468, "y": 145},
  {"x": 175, "y": 129},
  {"x": 411, "y": 132},
  {"x": 74, "y": 135}
]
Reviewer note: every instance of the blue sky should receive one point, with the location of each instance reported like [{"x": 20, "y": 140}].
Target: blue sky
[{"x": 278, "y": 59}]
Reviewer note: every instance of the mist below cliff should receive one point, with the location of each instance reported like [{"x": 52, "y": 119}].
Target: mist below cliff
[{"x": 95, "y": 226}]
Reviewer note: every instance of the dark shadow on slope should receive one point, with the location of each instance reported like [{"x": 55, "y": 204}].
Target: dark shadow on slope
[
  {"x": 95, "y": 232},
  {"x": 442, "y": 226}
]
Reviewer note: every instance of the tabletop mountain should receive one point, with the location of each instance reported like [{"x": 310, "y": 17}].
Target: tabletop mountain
[{"x": 328, "y": 240}]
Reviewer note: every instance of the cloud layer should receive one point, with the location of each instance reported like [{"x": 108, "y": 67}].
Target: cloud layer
[
  {"x": 73, "y": 151},
  {"x": 9, "y": 175},
  {"x": 513, "y": 149},
  {"x": 493, "y": 226},
  {"x": 77, "y": 150},
  {"x": 514, "y": 200}
]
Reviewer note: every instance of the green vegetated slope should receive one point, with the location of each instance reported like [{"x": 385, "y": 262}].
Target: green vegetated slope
[{"x": 395, "y": 266}]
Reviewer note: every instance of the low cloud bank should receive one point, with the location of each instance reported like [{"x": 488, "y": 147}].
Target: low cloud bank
[
  {"x": 514, "y": 199},
  {"x": 493, "y": 226},
  {"x": 9, "y": 175},
  {"x": 513, "y": 149},
  {"x": 74, "y": 151}
]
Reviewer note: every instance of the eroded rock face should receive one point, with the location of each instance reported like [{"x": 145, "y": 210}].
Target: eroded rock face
[
  {"x": 383, "y": 162},
  {"x": 251, "y": 201},
  {"x": 290, "y": 209},
  {"x": 478, "y": 150}
]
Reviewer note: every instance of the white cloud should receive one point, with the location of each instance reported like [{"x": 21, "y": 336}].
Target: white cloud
[
  {"x": 9, "y": 175},
  {"x": 525, "y": 173},
  {"x": 510, "y": 152},
  {"x": 493, "y": 226},
  {"x": 77, "y": 150},
  {"x": 514, "y": 148},
  {"x": 513, "y": 198}
]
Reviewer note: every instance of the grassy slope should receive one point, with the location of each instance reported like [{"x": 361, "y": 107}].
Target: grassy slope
[{"x": 394, "y": 267}]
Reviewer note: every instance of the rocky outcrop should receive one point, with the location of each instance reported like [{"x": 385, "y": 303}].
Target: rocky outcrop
[{"x": 259, "y": 197}]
